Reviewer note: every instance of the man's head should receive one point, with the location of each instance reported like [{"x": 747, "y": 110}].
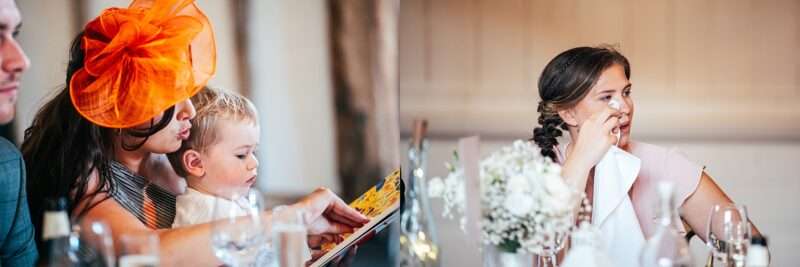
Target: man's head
[{"x": 13, "y": 61}]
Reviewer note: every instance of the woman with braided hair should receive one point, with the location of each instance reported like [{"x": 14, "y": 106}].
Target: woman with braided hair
[{"x": 577, "y": 89}]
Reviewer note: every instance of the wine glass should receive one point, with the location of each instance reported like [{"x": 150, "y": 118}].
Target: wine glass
[
  {"x": 238, "y": 236},
  {"x": 728, "y": 232},
  {"x": 139, "y": 250},
  {"x": 555, "y": 242},
  {"x": 737, "y": 236},
  {"x": 96, "y": 246}
]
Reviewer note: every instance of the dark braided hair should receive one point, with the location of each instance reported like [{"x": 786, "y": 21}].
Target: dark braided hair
[{"x": 566, "y": 80}]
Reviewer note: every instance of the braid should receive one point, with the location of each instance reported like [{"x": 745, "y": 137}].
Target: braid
[{"x": 545, "y": 136}]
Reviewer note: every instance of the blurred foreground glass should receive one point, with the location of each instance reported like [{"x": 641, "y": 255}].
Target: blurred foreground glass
[
  {"x": 729, "y": 234},
  {"x": 289, "y": 237},
  {"x": 239, "y": 234},
  {"x": 139, "y": 250},
  {"x": 96, "y": 242}
]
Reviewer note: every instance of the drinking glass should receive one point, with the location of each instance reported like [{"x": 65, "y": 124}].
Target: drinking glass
[
  {"x": 96, "y": 246},
  {"x": 238, "y": 236},
  {"x": 728, "y": 233},
  {"x": 289, "y": 237},
  {"x": 139, "y": 250}
]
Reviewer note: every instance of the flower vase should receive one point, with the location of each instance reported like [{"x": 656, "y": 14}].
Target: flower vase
[
  {"x": 548, "y": 257},
  {"x": 496, "y": 257}
]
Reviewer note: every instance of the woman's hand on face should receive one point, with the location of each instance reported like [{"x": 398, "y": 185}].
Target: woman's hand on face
[
  {"x": 326, "y": 213},
  {"x": 596, "y": 135}
]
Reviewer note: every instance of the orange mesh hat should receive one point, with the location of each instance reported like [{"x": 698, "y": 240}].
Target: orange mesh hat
[{"x": 141, "y": 60}]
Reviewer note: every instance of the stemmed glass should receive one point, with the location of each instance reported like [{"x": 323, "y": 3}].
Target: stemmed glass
[
  {"x": 728, "y": 233},
  {"x": 554, "y": 243},
  {"x": 549, "y": 257},
  {"x": 96, "y": 245},
  {"x": 238, "y": 236}
]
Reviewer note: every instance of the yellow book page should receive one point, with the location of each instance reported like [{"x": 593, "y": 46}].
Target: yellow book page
[{"x": 375, "y": 201}]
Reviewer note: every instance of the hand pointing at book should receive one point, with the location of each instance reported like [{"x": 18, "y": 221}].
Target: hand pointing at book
[{"x": 326, "y": 213}]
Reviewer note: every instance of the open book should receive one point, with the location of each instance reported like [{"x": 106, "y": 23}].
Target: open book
[{"x": 381, "y": 204}]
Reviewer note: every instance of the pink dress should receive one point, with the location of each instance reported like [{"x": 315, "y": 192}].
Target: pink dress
[{"x": 658, "y": 164}]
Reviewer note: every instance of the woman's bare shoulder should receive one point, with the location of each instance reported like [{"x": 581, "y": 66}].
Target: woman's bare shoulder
[{"x": 112, "y": 213}]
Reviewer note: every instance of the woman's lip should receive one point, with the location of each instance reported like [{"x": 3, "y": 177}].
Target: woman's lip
[
  {"x": 11, "y": 87},
  {"x": 251, "y": 180},
  {"x": 184, "y": 134},
  {"x": 8, "y": 89}
]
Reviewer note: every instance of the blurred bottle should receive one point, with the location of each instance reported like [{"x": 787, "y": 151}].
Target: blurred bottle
[
  {"x": 418, "y": 242},
  {"x": 59, "y": 244},
  {"x": 586, "y": 250},
  {"x": 666, "y": 247}
]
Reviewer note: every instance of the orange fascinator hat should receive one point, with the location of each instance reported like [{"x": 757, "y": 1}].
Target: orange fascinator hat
[{"x": 141, "y": 60}]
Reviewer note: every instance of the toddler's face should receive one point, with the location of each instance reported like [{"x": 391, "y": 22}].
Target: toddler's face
[{"x": 230, "y": 164}]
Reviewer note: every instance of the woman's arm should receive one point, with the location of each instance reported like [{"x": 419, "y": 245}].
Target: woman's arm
[
  {"x": 594, "y": 137},
  {"x": 185, "y": 246},
  {"x": 191, "y": 245},
  {"x": 696, "y": 208}
]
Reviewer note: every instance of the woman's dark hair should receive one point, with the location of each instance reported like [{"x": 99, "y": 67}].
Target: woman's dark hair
[
  {"x": 61, "y": 150},
  {"x": 564, "y": 82}
]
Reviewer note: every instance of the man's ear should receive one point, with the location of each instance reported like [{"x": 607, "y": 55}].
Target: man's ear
[
  {"x": 192, "y": 163},
  {"x": 568, "y": 116}
]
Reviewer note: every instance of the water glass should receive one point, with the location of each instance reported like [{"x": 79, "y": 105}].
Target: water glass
[
  {"x": 96, "y": 242},
  {"x": 728, "y": 233},
  {"x": 289, "y": 237},
  {"x": 139, "y": 250},
  {"x": 238, "y": 235}
]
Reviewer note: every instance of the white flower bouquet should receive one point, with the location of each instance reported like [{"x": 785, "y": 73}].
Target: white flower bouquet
[{"x": 526, "y": 206}]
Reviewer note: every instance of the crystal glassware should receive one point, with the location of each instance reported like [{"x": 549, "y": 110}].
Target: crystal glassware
[
  {"x": 728, "y": 233},
  {"x": 139, "y": 250},
  {"x": 238, "y": 235}
]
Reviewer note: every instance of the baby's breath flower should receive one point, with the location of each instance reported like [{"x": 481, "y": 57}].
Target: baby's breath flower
[{"x": 524, "y": 199}]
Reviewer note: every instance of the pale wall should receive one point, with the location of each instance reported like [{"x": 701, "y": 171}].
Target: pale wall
[
  {"x": 701, "y": 69},
  {"x": 292, "y": 83}
]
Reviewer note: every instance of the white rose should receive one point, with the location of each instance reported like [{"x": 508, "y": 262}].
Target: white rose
[
  {"x": 435, "y": 187},
  {"x": 517, "y": 184},
  {"x": 559, "y": 195},
  {"x": 518, "y": 204}
]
